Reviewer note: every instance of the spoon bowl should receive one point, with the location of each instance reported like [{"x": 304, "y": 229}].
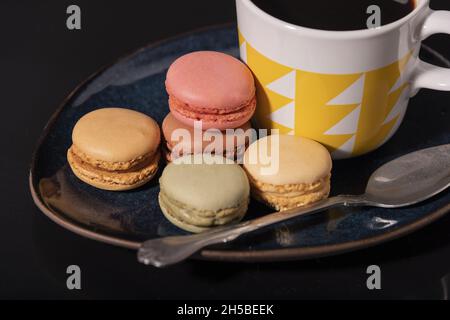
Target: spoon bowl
[{"x": 410, "y": 179}]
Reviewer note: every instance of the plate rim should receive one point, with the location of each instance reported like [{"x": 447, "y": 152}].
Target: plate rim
[{"x": 269, "y": 255}]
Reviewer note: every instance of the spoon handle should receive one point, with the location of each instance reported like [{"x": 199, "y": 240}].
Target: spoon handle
[{"x": 170, "y": 250}]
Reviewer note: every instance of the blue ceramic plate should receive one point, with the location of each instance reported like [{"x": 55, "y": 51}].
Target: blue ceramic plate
[{"x": 127, "y": 218}]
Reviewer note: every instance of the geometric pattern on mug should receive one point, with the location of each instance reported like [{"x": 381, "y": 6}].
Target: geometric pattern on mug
[{"x": 353, "y": 119}]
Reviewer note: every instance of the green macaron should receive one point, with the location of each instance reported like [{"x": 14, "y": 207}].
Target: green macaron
[{"x": 199, "y": 192}]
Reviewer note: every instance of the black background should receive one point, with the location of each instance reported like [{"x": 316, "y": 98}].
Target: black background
[{"x": 41, "y": 62}]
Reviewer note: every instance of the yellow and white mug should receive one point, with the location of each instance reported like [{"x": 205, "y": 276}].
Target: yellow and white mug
[{"x": 346, "y": 89}]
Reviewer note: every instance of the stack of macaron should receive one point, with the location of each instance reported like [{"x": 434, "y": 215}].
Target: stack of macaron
[{"x": 211, "y": 89}]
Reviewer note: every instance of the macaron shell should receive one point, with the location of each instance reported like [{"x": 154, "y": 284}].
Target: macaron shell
[
  {"x": 210, "y": 80},
  {"x": 116, "y": 135},
  {"x": 112, "y": 187},
  {"x": 300, "y": 160},
  {"x": 205, "y": 186}
]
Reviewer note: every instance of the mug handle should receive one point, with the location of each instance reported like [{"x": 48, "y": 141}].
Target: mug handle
[{"x": 427, "y": 75}]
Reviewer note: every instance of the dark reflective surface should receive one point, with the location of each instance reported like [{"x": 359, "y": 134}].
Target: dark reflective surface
[
  {"x": 138, "y": 83},
  {"x": 42, "y": 61}
]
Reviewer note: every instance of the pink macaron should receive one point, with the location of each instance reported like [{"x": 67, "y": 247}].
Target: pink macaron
[
  {"x": 234, "y": 143},
  {"x": 212, "y": 87}
]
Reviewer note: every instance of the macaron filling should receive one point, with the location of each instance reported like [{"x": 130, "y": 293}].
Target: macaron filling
[
  {"x": 109, "y": 173},
  {"x": 198, "y": 218},
  {"x": 213, "y": 117},
  {"x": 110, "y": 166},
  {"x": 284, "y": 197}
]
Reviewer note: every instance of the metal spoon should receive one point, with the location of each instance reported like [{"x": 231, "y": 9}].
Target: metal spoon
[{"x": 404, "y": 181}]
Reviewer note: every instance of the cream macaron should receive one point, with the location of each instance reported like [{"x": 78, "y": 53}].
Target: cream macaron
[
  {"x": 115, "y": 149},
  {"x": 297, "y": 174},
  {"x": 199, "y": 192}
]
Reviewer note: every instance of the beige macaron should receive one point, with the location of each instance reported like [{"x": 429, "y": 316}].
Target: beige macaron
[
  {"x": 296, "y": 171},
  {"x": 115, "y": 149}
]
